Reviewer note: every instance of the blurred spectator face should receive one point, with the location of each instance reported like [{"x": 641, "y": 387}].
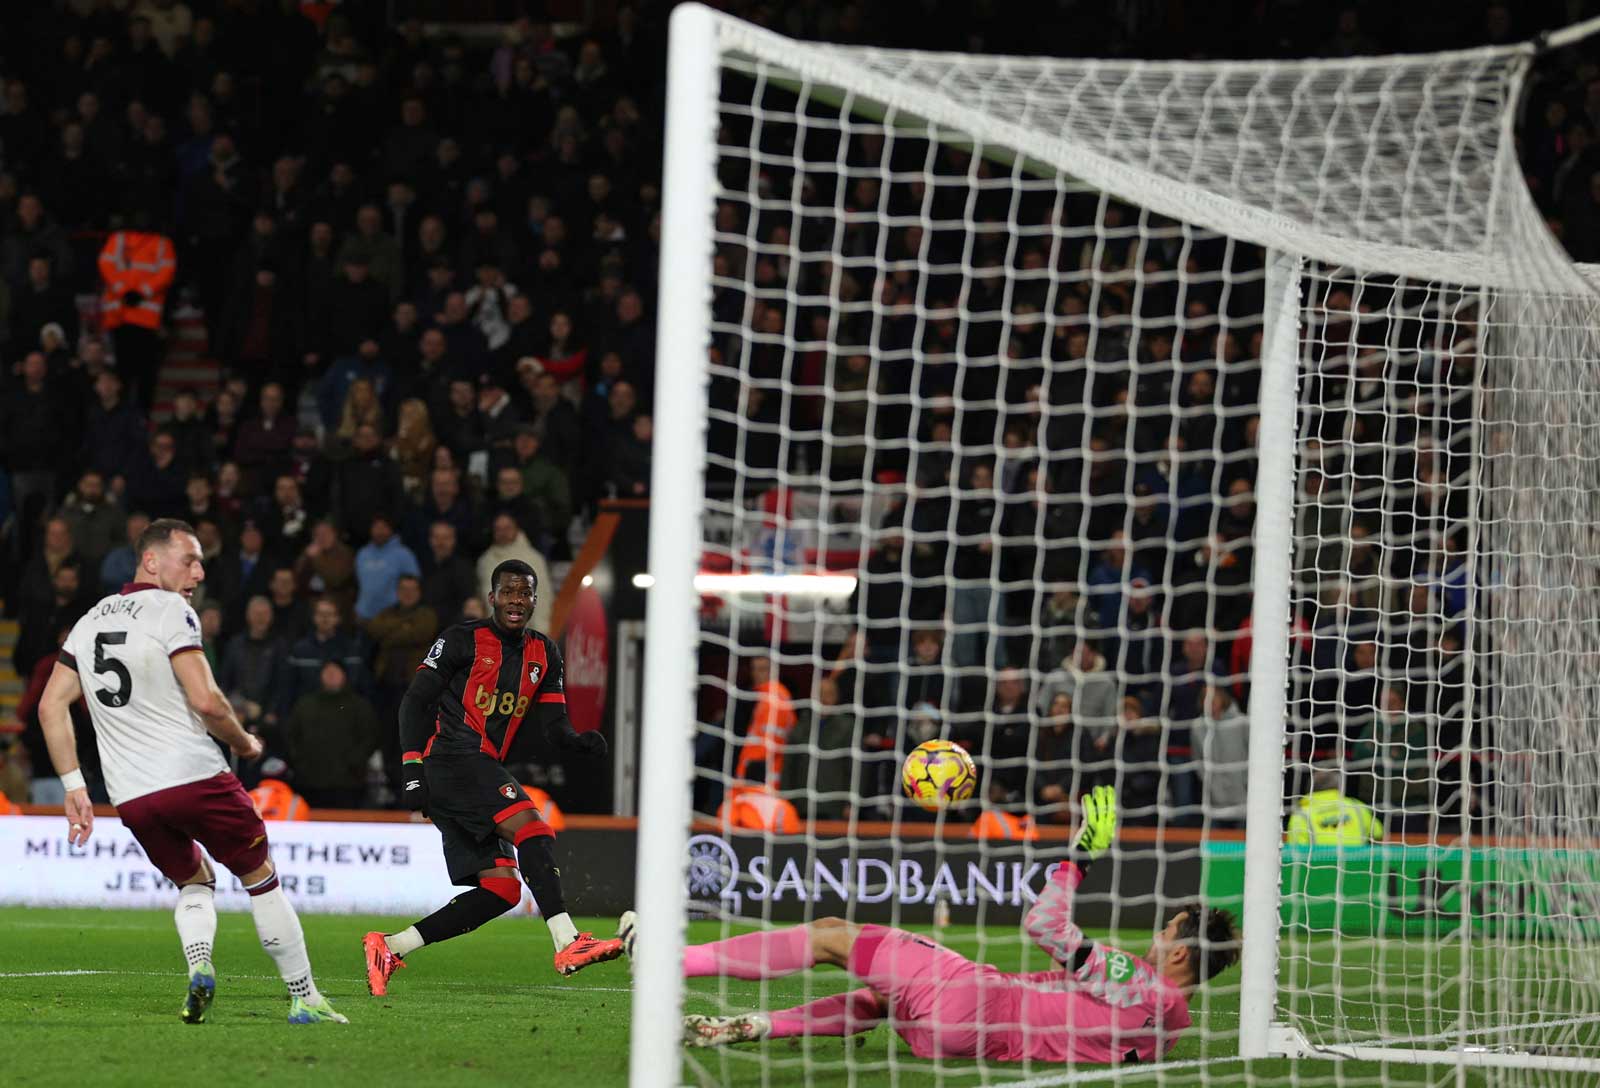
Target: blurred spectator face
[
  {"x": 408, "y": 592},
  {"x": 355, "y": 271},
  {"x": 163, "y": 450},
  {"x": 210, "y": 538},
  {"x": 137, "y": 524},
  {"x": 445, "y": 487},
  {"x": 1217, "y": 701},
  {"x": 643, "y": 428},
  {"x": 1365, "y": 655},
  {"x": 560, "y": 327},
  {"x": 473, "y": 609},
  {"x": 321, "y": 237},
  {"x": 610, "y": 366},
  {"x": 1061, "y": 707},
  {"x": 281, "y": 586},
  {"x": 185, "y": 407},
  {"x": 486, "y": 220},
  {"x": 599, "y": 188},
  {"x": 285, "y": 173},
  {"x": 250, "y": 540},
  {"x": 1194, "y": 652},
  {"x": 505, "y": 530},
  {"x": 29, "y": 210},
  {"x": 433, "y": 346},
  {"x": 367, "y": 439},
  {"x": 369, "y": 221},
  {"x": 381, "y": 531},
  {"x": 488, "y": 275},
  {"x": 455, "y": 307},
  {"x": 258, "y": 616},
  {"x": 34, "y": 369},
  {"x": 461, "y": 397},
  {"x": 760, "y": 672},
  {"x": 65, "y": 582},
  {"x": 400, "y": 195},
  {"x": 108, "y": 387},
  {"x": 93, "y": 353},
  {"x": 325, "y": 618},
  {"x": 630, "y": 307},
  {"x": 332, "y": 677},
  {"x": 91, "y": 488},
  {"x": 88, "y": 106},
  {"x": 621, "y": 400},
  {"x": 412, "y": 114},
  {"x": 1132, "y": 710},
  {"x": 154, "y": 130},
  {"x": 431, "y": 233},
  {"x": 324, "y": 536},
  {"x": 286, "y": 492},
  {"x": 271, "y": 400},
  {"x": 228, "y": 478},
  {"x": 210, "y": 622},
  {"x": 342, "y": 176},
  {"x": 199, "y": 491},
  {"x": 926, "y": 647},
  {"x": 57, "y": 537},
  {"x": 519, "y": 310},
  {"x": 405, "y": 316},
  {"x": 39, "y": 273},
  {"x": 442, "y": 539},
  {"x": 555, "y": 231},
  {"x": 1009, "y": 688},
  {"x": 546, "y": 391},
  {"x": 828, "y": 691},
  {"x": 982, "y": 478},
  {"x": 508, "y": 483}
]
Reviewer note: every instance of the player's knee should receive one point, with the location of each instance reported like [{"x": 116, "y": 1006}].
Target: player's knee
[{"x": 509, "y": 889}]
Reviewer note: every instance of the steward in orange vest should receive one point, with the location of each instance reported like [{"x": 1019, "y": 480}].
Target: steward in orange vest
[
  {"x": 136, "y": 269},
  {"x": 997, "y": 824},
  {"x": 274, "y": 800},
  {"x": 548, "y": 810}
]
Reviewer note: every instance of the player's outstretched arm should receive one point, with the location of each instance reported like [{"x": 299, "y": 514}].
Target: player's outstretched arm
[
  {"x": 418, "y": 710},
  {"x": 55, "y": 718},
  {"x": 205, "y": 697},
  {"x": 1049, "y": 921}
]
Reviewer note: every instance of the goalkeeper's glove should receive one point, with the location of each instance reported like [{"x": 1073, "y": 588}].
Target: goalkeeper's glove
[
  {"x": 1099, "y": 826},
  {"x": 414, "y": 787},
  {"x": 589, "y": 743}
]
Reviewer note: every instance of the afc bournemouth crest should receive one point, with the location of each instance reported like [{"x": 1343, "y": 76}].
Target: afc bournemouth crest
[
  {"x": 533, "y": 674},
  {"x": 510, "y": 791}
]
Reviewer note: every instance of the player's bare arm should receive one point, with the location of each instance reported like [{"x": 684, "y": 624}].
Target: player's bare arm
[
  {"x": 55, "y": 718},
  {"x": 208, "y": 701}
]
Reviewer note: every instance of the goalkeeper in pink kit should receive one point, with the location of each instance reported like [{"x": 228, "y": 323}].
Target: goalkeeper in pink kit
[{"x": 1099, "y": 1004}]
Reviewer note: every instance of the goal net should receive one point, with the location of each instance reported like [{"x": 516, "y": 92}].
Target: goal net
[{"x": 1220, "y": 432}]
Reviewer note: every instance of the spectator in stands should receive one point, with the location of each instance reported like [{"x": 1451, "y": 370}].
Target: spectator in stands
[
  {"x": 509, "y": 499},
  {"x": 114, "y": 435},
  {"x": 241, "y": 574},
  {"x": 446, "y": 502},
  {"x": 42, "y": 299},
  {"x": 1003, "y": 743},
  {"x": 121, "y": 564},
  {"x": 291, "y": 616},
  {"x": 327, "y": 567},
  {"x": 770, "y": 723},
  {"x": 448, "y": 577},
  {"x": 1054, "y": 757},
  {"x": 380, "y": 565},
  {"x": 156, "y": 480},
  {"x": 557, "y": 420},
  {"x": 43, "y": 616},
  {"x": 265, "y": 440},
  {"x": 507, "y": 541},
  {"x": 629, "y": 476},
  {"x": 97, "y": 523},
  {"x": 545, "y": 484},
  {"x": 328, "y": 736},
  {"x": 413, "y": 446},
  {"x": 284, "y": 518},
  {"x": 401, "y": 635},
  {"x": 1329, "y": 816},
  {"x": 253, "y": 668},
  {"x": 818, "y": 760},
  {"x": 1084, "y": 675},
  {"x": 1220, "y": 740},
  {"x": 35, "y": 416},
  {"x": 365, "y": 484},
  {"x": 325, "y": 643}
]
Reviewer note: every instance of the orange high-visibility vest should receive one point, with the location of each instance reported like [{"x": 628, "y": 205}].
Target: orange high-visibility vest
[
  {"x": 9, "y": 807},
  {"x": 995, "y": 824},
  {"x": 759, "y": 810},
  {"x": 769, "y": 729},
  {"x": 138, "y": 262},
  {"x": 547, "y": 808},
  {"x": 274, "y": 800}
]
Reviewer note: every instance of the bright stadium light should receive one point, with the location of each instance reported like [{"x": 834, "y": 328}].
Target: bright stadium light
[
  {"x": 789, "y": 585},
  {"x": 643, "y": 581},
  {"x": 588, "y": 579}
]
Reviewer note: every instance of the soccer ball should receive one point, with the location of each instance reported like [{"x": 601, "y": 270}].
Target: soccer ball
[{"x": 938, "y": 774}]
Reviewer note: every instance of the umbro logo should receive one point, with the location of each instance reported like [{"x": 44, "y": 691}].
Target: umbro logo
[
  {"x": 270, "y": 942},
  {"x": 488, "y": 661}
]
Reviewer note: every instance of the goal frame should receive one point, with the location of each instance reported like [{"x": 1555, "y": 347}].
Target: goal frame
[{"x": 695, "y": 51}]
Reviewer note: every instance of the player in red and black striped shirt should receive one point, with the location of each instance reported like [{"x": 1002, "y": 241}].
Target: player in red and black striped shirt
[{"x": 481, "y": 683}]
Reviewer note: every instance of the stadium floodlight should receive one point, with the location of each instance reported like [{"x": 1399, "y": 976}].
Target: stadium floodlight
[
  {"x": 1212, "y": 402},
  {"x": 831, "y": 586}
]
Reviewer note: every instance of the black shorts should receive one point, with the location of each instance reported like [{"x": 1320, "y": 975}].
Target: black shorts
[{"x": 467, "y": 796}]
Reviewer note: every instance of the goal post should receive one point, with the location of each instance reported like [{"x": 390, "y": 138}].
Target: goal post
[{"x": 1218, "y": 431}]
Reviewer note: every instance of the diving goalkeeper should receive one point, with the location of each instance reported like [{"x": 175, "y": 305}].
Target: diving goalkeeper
[{"x": 1100, "y": 1004}]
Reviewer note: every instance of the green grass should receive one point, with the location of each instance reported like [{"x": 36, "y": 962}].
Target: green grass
[{"x": 486, "y": 1009}]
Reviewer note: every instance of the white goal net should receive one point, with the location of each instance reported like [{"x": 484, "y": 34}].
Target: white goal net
[{"x": 1220, "y": 432}]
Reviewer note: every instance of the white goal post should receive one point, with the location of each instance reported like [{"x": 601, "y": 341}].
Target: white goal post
[{"x": 1254, "y": 396}]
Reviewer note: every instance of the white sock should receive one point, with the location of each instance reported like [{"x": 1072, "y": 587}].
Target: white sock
[
  {"x": 562, "y": 931},
  {"x": 405, "y": 942},
  {"x": 282, "y": 938},
  {"x": 196, "y": 916}
]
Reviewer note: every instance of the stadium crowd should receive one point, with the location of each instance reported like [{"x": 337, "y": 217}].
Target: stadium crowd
[{"x": 426, "y": 264}]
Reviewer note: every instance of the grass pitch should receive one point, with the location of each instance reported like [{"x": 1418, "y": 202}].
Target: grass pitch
[{"x": 92, "y": 998}]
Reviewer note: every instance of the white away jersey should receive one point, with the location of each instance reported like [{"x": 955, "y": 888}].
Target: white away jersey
[{"x": 123, "y": 649}]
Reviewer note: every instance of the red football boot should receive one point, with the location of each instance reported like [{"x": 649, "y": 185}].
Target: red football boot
[
  {"x": 587, "y": 950},
  {"x": 381, "y": 963}
]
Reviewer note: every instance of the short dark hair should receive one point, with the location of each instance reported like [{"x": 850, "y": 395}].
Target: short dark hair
[
  {"x": 513, "y": 566},
  {"x": 1213, "y": 937},
  {"x": 159, "y": 532}
]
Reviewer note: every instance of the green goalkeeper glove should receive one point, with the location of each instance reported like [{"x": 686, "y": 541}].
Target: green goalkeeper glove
[{"x": 1099, "y": 823}]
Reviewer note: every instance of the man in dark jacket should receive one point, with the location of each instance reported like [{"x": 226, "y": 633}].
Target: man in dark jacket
[
  {"x": 325, "y": 643},
  {"x": 329, "y": 736},
  {"x": 448, "y": 578},
  {"x": 365, "y": 484},
  {"x": 402, "y": 634},
  {"x": 253, "y": 666}
]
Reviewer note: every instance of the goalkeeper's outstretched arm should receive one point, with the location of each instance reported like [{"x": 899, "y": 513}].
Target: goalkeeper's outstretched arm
[{"x": 1049, "y": 921}]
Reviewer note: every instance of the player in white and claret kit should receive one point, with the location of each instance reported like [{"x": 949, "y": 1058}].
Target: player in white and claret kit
[{"x": 137, "y": 660}]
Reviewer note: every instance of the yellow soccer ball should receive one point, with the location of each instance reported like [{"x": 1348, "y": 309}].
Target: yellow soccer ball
[{"x": 937, "y": 774}]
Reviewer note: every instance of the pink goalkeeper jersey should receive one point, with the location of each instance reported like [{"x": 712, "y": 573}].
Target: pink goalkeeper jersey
[{"x": 1112, "y": 1008}]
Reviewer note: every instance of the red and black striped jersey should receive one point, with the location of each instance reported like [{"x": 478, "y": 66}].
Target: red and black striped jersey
[{"x": 492, "y": 681}]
